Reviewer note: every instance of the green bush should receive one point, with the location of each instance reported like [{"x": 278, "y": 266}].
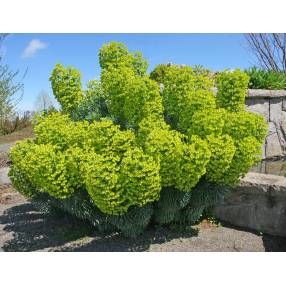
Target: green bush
[
  {"x": 123, "y": 154},
  {"x": 264, "y": 79}
]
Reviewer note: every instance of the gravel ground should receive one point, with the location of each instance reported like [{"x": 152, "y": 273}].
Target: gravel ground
[
  {"x": 4, "y": 179},
  {"x": 23, "y": 228},
  {"x": 4, "y": 148}
]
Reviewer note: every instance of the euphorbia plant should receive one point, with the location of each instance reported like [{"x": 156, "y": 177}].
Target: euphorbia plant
[{"x": 133, "y": 147}]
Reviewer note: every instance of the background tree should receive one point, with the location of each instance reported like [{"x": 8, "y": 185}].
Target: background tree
[
  {"x": 43, "y": 102},
  {"x": 10, "y": 91},
  {"x": 269, "y": 49}
]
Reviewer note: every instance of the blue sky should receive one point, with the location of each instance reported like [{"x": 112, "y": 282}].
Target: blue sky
[{"x": 40, "y": 52}]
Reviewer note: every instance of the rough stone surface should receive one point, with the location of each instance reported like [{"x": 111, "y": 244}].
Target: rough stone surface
[
  {"x": 259, "y": 203},
  {"x": 277, "y": 114},
  {"x": 273, "y": 145},
  {"x": 274, "y": 167},
  {"x": 265, "y": 93},
  {"x": 258, "y": 105},
  {"x": 271, "y": 104}
]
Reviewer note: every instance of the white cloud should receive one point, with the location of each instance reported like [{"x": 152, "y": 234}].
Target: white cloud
[{"x": 33, "y": 46}]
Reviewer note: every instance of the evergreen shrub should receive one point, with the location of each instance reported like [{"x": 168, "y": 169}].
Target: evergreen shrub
[{"x": 133, "y": 149}]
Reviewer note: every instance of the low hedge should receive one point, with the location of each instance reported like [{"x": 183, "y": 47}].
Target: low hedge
[{"x": 125, "y": 152}]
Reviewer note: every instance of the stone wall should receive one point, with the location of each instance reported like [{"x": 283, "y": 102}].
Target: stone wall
[
  {"x": 272, "y": 105},
  {"x": 258, "y": 203}
]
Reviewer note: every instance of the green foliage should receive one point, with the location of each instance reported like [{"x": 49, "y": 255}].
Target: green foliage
[
  {"x": 93, "y": 105},
  {"x": 265, "y": 79},
  {"x": 190, "y": 103},
  {"x": 130, "y": 97},
  {"x": 114, "y": 185},
  {"x": 184, "y": 92},
  {"x": 46, "y": 169},
  {"x": 181, "y": 164},
  {"x": 171, "y": 202},
  {"x": 204, "y": 196},
  {"x": 66, "y": 85},
  {"x": 104, "y": 136},
  {"x": 123, "y": 154},
  {"x": 222, "y": 151},
  {"x": 248, "y": 152},
  {"x": 243, "y": 124},
  {"x": 116, "y": 55},
  {"x": 58, "y": 129},
  {"x": 204, "y": 123},
  {"x": 133, "y": 222},
  {"x": 158, "y": 74},
  {"x": 232, "y": 89}
]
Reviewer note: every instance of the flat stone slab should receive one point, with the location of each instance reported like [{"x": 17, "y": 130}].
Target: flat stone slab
[
  {"x": 262, "y": 93},
  {"x": 265, "y": 93},
  {"x": 258, "y": 203},
  {"x": 265, "y": 181}
]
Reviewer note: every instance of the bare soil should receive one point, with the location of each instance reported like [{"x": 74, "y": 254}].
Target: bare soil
[{"x": 18, "y": 135}]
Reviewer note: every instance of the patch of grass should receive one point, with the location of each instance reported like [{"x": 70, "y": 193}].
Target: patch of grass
[
  {"x": 24, "y": 133},
  {"x": 263, "y": 79}
]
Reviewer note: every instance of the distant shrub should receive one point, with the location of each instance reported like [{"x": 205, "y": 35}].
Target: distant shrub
[
  {"x": 123, "y": 153},
  {"x": 264, "y": 79},
  {"x": 14, "y": 122}
]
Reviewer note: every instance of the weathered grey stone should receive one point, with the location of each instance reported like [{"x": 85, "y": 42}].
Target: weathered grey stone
[
  {"x": 283, "y": 104},
  {"x": 273, "y": 146},
  {"x": 263, "y": 153},
  {"x": 274, "y": 167},
  {"x": 276, "y": 113},
  {"x": 258, "y": 105},
  {"x": 283, "y": 128},
  {"x": 264, "y": 93},
  {"x": 259, "y": 203}
]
